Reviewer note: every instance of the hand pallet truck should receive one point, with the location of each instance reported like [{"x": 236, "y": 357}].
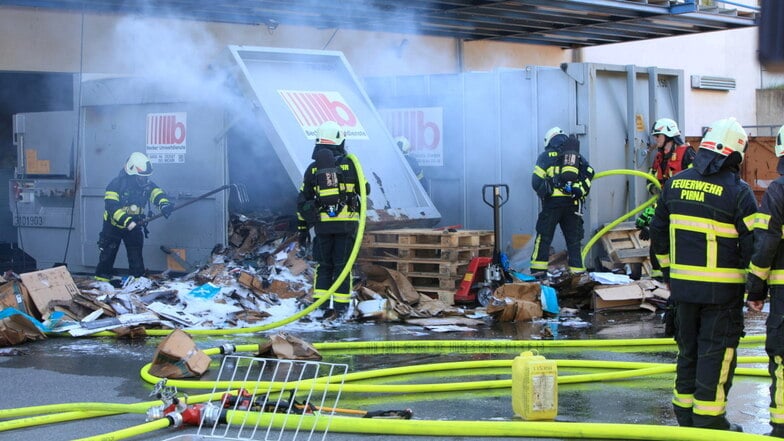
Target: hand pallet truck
[{"x": 495, "y": 269}]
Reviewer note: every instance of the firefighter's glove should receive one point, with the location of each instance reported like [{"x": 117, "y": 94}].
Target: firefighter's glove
[
  {"x": 756, "y": 287},
  {"x": 644, "y": 219},
  {"x": 304, "y": 240},
  {"x": 131, "y": 225},
  {"x": 546, "y": 189},
  {"x": 577, "y": 191},
  {"x": 166, "y": 209},
  {"x": 645, "y": 233},
  {"x": 669, "y": 318}
]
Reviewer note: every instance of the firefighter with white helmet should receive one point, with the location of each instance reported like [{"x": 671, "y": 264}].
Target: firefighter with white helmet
[
  {"x": 673, "y": 155},
  {"x": 328, "y": 202},
  {"x": 124, "y": 203},
  {"x": 562, "y": 180},
  {"x": 702, "y": 235},
  {"x": 405, "y": 147},
  {"x": 767, "y": 270}
]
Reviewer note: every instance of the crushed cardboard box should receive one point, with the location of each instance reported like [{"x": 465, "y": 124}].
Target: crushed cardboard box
[
  {"x": 14, "y": 295},
  {"x": 48, "y": 285},
  {"x": 178, "y": 357},
  {"x": 17, "y": 327},
  {"x": 286, "y": 346},
  {"x": 516, "y": 302},
  {"x": 621, "y": 297}
]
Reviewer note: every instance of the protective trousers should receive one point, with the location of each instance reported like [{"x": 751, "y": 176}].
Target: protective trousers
[
  {"x": 707, "y": 337},
  {"x": 572, "y": 227},
  {"x": 774, "y": 346},
  {"x": 331, "y": 252},
  {"x": 109, "y": 243}
]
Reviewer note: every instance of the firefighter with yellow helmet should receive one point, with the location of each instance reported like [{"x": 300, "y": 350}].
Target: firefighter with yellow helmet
[
  {"x": 702, "y": 235},
  {"x": 125, "y": 200},
  {"x": 767, "y": 269},
  {"x": 328, "y": 201}
]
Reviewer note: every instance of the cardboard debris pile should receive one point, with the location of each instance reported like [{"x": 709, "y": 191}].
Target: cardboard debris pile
[
  {"x": 516, "y": 302},
  {"x": 387, "y": 295},
  {"x": 259, "y": 277},
  {"x": 646, "y": 294}
]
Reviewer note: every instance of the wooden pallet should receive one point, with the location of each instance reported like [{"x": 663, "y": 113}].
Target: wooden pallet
[
  {"x": 445, "y": 295},
  {"x": 623, "y": 245},
  {"x": 423, "y": 238},
  {"x": 427, "y": 282},
  {"x": 414, "y": 252},
  {"x": 432, "y": 268}
]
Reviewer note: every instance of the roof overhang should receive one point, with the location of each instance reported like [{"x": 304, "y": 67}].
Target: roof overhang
[{"x": 564, "y": 23}]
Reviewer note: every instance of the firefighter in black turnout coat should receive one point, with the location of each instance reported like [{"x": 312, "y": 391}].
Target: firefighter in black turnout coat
[
  {"x": 125, "y": 199},
  {"x": 767, "y": 269},
  {"x": 702, "y": 235},
  {"x": 329, "y": 202},
  {"x": 562, "y": 180}
]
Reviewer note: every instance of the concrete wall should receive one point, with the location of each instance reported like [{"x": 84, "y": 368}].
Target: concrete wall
[
  {"x": 770, "y": 107},
  {"x": 726, "y": 54},
  {"x": 36, "y": 40}
]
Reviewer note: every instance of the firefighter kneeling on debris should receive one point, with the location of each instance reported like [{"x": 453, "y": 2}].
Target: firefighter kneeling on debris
[
  {"x": 702, "y": 235},
  {"x": 329, "y": 202}
]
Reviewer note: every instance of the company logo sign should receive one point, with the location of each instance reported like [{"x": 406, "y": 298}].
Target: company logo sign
[
  {"x": 423, "y": 126},
  {"x": 167, "y": 137},
  {"x": 311, "y": 108}
]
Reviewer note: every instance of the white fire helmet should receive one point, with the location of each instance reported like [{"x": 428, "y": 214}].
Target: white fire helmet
[
  {"x": 780, "y": 142},
  {"x": 330, "y": 132},
  {"x": 403, "y": 144},
  {"x": 552, "y": 133},
  {"x": 724, "y": 137},
  {"x": 138, "y": 164},
  {"x": 666, "y": 127}
]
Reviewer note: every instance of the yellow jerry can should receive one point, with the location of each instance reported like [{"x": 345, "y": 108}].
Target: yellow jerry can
[{"x": 534, "y": 387}]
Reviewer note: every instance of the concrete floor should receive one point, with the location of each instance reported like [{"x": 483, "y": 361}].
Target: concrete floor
[{"x": 66, "y": 370}]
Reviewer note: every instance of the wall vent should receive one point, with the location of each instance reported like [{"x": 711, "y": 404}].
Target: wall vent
[{"x": 712, "y": 83}]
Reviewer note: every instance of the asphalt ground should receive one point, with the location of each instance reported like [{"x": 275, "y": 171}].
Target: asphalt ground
[{"x": 61, "y": 370}]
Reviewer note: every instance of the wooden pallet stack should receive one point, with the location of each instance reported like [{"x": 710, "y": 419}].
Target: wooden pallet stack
[
  {"x": 623, "y": 245},
  {"x": 434, "y": 261}
]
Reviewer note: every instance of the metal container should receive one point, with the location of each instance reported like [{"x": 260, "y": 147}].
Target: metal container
[
  {"x": 492, "y": 127},
  {"x": 251, "y": 122}
]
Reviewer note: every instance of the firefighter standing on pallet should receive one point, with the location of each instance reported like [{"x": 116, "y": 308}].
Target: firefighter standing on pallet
[
  {"x": 672, "y": 156},
  {"x": 329, "y": 202},
  {"x": 767, "y": 268},
  {"x": 702, "y": 235},
  {"x": 562, "y": 180},
  {"x": 123, "y": 217}
]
